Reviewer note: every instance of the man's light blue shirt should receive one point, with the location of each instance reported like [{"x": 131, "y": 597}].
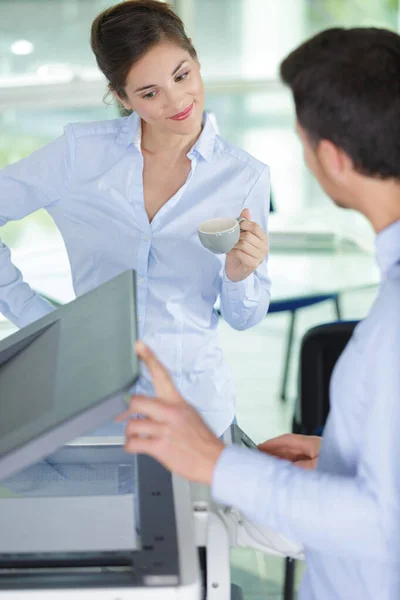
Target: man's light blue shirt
[
  {"x": 90, "y": 182},
  {"x": 347, "y": 512}
]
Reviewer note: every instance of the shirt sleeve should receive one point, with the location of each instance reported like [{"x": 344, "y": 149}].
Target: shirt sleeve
[
  {"x": 26, "y": 186},
  {"x": 355, "y": 516},
  {"x": 245, "y": 303}
]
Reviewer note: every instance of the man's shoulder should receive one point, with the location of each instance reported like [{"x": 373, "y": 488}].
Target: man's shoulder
[
  {"x": 390, "y": 296},
  {"x": 382, "y": 325}
]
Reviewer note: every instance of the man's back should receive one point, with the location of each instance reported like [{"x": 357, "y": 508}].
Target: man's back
[{"x": 362, "y": 442}]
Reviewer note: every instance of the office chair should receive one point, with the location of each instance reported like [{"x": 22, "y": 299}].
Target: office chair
[
  {"x": 292, "y": 305},
  {"x": 320, "y": 349},
  {"x": 236, "y": 592}
]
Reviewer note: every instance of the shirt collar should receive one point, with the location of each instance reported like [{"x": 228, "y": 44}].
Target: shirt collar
[
  {"x": 130, "y": 132},
  {"x": 206, "y": 142},
  {"x": 131, "y": 135},
  {"x": 388, "y": 247}
]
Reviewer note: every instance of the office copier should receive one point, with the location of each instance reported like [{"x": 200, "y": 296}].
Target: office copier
[{"x": 80, "y": 518}]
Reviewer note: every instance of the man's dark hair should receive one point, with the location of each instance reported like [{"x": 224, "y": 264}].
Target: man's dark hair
[{"x": 346, "y": 89}]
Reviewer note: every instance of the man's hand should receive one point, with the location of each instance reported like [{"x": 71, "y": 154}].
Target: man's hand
[
  {"x": 249, "y": 252},
  {"x": 301, "y": 450},
  {"x": 172, "y": 432}
]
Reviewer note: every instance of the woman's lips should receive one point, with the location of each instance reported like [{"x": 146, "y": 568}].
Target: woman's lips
[{"x": 183, "y": 115}]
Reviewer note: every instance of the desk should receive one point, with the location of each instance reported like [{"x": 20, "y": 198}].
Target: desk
[{"x": 297, "y": 274}]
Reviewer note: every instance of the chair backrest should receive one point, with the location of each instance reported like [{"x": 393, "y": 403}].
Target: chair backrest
[
  {"x": 320, "y": 348},
  {"x": 271, "y": 202}
]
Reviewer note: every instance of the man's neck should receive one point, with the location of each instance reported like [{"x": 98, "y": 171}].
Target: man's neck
[{"x": 379, "y": 201}]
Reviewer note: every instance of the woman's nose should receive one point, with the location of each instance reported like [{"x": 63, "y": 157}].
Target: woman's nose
[{"x": 175, "y": 101}]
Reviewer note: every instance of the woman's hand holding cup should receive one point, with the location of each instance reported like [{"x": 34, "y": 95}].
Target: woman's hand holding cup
[
  {"x": 249, "y": 252},
  {"x": 243, "y": 241}
]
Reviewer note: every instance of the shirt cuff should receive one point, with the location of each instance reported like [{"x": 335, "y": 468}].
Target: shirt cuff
[
  {"x": 237, "y": 476},
  {"x": 244, "y": 302},
  {"x": 35, "y": 309},
  {"x": 240, "y": 290}
]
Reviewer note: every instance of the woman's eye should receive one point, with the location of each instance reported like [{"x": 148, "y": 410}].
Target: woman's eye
[
  {"x": 182, "y": 76},
  {"x": 150, "y": 95}
]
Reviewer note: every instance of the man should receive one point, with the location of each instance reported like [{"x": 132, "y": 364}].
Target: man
[{"x": 346, "y": 512}]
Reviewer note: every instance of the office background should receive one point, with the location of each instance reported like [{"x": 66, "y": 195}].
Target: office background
[{"x": 48, "y": 77}]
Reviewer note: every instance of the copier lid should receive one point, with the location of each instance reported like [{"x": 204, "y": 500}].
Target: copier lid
[{"x": 67, "y": 373}]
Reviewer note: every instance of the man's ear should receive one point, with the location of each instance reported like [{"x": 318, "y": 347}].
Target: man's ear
[{"x": 333, "y": 160}]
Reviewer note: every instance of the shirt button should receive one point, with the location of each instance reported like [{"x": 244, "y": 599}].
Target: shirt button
[
  {"x": 139, "y": 319},
  {"x": 141, "y": 280},
  {"x": 146, "y": 238}
]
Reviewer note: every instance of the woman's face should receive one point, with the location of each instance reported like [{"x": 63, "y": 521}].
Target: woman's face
[{"x": 166, "y": 90}]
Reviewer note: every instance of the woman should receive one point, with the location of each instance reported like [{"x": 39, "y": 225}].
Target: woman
[{"x": 130, "y": 193}]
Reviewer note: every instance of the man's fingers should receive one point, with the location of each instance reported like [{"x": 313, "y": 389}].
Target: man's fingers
[
  {"x": 285, "y": 452},
  {"x": 146, "y": 427},
  {"x": 300, "y": 443},
  {"x": 138, "y": 445},
  {"x": 300, "y": 449},
  {"x": 162, "y": 382},
  {"x": 286, "y": 439},
  {"x": 308, "y": 463},
  {"x": 153, "y": 408}
]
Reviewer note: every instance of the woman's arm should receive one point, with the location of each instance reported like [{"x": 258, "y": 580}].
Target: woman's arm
[
  {"x": 245, "y": 303},
  {"x": 26, "y": 186}
]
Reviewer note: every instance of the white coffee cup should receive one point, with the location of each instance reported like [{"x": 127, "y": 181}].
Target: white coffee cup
[{"x": 220, "y": 235}]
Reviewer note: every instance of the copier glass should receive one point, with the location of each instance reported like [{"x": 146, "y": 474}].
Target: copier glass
[{"x": 91, "y": 521}]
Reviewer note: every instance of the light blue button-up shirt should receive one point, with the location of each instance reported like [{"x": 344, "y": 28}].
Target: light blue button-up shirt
[
  {"x": 347, "y": 512},
  {"x": 90, "y": 182}
]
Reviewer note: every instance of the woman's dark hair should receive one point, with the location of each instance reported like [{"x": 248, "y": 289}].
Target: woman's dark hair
[
  {"x": 346, "y": 89},
  {"x": 123, "y": 33}
]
